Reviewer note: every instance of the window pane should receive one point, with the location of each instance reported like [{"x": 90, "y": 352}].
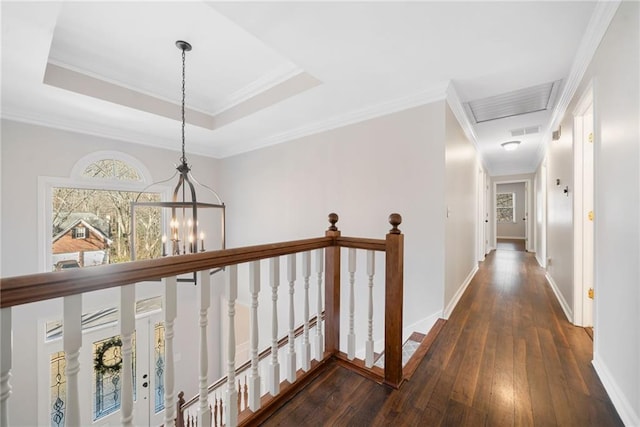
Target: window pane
[
  {"x": 111, "y": 169},
  {"x": 107, "y": 370},
  {"x": 105, "y": 218},
  {"x": 159, "y": 366},
  {"x": 58, "y": 395}
]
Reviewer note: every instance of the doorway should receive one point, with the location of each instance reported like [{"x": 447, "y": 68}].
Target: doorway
[
  {"x": 511, "y": 206},
  {"x": 100, "y": 376},
  {"x": 583, "y": 210}
]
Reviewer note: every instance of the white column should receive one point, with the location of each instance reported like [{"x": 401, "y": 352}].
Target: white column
[
  {"x": 6, "y": 350},
  {"x": 254, "y": 377},
  {"x": 204, "y": 413},
  {"x": 170, "y": 313},
  {"x": 351, "y": 337},
  {"x": 274, "y": 365},
  {"x": 291, "y": 355},
  {"x": 231, "y": 414},
  {"x": 371, "y": 269},
  {"x": 71, "y": 342},
  {"x": 127, "y": 316},
  {"x": 305, "y": 350},
  {"x": 319, "y": 334}
]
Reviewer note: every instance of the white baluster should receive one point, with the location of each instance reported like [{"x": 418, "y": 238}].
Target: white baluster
[
  {"x": 71, "y": 342},
  {"x": 291, "y": 355},
  {"x": 351, "y": 337},
  {"x": 231, "y": 413},
  {"x": 5, "y": 364},
  {"x": 371, "y": 269},
  {"x": 170, "y": 313},
  {"x": 319, "y": 334},
  {"x": 127, "y": 316},
  {"x": 254, "y": 377},
  {"x": 274, "y": 365},
  {"x": 305, "y": 350},
  {"x": 204, "y": 413}
]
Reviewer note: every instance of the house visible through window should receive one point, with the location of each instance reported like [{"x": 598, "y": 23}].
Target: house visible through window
[{"x": 506, "y": 207}]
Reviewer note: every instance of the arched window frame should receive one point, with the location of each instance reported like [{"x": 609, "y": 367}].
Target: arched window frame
[{"x": 76, "y": 179}]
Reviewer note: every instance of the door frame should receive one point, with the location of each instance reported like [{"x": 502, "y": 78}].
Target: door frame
[
  {"x": 528, "y": 205},
  {"x": 583, "y": 307}
]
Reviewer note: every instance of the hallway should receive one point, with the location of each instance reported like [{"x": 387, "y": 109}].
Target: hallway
[{"x": 506, "y": 356}]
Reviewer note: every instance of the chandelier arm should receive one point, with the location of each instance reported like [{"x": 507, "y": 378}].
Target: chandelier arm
[
  {"x": 193, "y": 178},
  {"x": 144, "y": 190}
]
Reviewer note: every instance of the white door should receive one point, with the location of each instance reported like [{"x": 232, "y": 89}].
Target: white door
[{"x": 100, "y": 376}]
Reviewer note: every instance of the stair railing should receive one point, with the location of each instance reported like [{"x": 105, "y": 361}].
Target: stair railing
[{"x": 71, "y": 284}]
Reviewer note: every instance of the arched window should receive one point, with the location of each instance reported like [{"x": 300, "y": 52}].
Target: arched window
[{"x": 89, "y": 214}]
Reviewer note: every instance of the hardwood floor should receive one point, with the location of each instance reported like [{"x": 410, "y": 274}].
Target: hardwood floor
[
  {"x": 506, "y": 357},
  {"x": 511, "y": 244}
]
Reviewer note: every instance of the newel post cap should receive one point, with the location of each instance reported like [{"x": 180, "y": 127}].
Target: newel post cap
[
  {"x": 333, "y": 219},
  {"x": 395, "y": 219}
]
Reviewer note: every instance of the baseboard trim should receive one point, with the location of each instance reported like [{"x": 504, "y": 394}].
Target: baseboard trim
[
  {"x": 623, "y": 406},
  {"x": 454, "y": 301},
  {"x": 566, "y": 308},
  {"x": 423, "y": 325},
  {"x": 540, "y": 263}
]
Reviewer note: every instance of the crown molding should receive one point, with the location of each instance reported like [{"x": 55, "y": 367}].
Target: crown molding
[
  {"x": 437, "y": 93},
  {"x": 596, "y": 29},
  {"x": 262, "y": 84}
]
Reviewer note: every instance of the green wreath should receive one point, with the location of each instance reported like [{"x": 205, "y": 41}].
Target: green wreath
[{"x": 100, "y": 365}]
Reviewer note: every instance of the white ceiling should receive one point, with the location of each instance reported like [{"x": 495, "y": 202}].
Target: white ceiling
[{"x": 267, "y": 72}]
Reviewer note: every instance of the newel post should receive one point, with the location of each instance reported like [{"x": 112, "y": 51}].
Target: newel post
[
  {"x": 332, "y": 290},
  {"x": 393, "y": 303}
]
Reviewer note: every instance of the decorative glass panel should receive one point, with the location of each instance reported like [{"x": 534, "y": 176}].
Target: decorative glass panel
[
  {"x": 58, "y": 389},
  {"x": 107, "y": 369},
  {"x": 159, "y": 366}
]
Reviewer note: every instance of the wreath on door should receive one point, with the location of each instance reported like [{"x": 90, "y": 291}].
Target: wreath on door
[{"x": 108, "y": 359}]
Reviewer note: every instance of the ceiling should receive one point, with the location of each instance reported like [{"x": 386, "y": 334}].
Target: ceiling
[{"x": 268, "y": 72}]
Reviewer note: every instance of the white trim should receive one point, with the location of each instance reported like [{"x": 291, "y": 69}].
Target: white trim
[
  {"x": 623, "y": 406},
  {"x": 540, "y": 263},
  {"x": 596, "y": 28},
  {"x": 82, "y": 164},
  {"x": 454, "y": 301},
  {"x": 528, "y": 207},
  {"x": 422, "y": 326},
  {"x": 262, "y": 84},
  {"x": 563, "y": 303},
  {"x": 356, "y": 116}
]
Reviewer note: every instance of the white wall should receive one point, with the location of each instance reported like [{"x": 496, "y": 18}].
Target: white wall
[
  {"x": 31, "y": 151},
  {"x": 461, "y": 211},
  {"x": 614, "y": 71},
  {"x": 516, "y": 229},
  {"x": 363, "y": 172}
]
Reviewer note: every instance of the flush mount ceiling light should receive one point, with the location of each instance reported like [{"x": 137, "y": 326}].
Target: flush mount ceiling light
[{"x": 510, "y": 145}]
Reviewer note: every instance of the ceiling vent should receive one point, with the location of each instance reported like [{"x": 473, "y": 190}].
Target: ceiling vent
[
  {"x": 525, "y": 131},
  {"x": 522, "y": 101}
]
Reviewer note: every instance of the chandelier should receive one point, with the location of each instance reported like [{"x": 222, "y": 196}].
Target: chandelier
[{"x": 183, "y": 232}]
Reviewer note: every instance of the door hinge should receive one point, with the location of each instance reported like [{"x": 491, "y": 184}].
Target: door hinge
[
  {"x": 590, "y": 293},
  {"x": 590, "y": 137},
  {"x": 590, "y": 215}
]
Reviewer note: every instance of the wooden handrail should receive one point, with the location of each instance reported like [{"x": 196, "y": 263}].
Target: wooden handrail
[{"x": 42, "y": 286}]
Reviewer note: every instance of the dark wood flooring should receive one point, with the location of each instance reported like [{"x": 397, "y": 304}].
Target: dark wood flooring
[
  {"x": 511, "y": 244},
  {"x": 506, "y": 357}
]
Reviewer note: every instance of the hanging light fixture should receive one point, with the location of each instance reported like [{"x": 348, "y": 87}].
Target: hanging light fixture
[{"x": 184, "y": 209}]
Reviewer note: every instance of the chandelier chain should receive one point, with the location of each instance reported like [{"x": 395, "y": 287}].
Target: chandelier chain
[{"x": 183, "y": 159}]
